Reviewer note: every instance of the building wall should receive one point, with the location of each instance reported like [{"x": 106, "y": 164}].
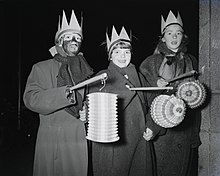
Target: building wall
[{"x": 209, "y": 63}]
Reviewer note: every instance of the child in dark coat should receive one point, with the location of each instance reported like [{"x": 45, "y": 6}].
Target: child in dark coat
[
  {"x": 132, "y": 154},
  {"x": 174, "y": 149}
]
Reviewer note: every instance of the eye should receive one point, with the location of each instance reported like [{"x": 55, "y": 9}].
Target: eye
[
  {"x": 128, "y": 52},
  {"x": 67, "y": 37},
  {"x": 78, "y": 39},
  {"x": 115, "y": 51}
]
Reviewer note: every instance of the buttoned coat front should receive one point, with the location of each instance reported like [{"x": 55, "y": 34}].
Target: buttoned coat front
[{"x": 131, "y": 155}]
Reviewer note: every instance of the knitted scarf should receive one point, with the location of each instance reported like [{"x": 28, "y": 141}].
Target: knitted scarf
[{"x": 73, "y": 70}]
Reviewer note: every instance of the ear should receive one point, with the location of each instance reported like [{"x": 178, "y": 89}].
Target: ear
[
  {"x": 163, "y": 40},
  {"x": 60, "y": 42}
]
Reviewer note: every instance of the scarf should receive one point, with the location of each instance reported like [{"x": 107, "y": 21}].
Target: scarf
[
  {"x": 73, "y": 70},
  {"x": 173, "y": 63}
]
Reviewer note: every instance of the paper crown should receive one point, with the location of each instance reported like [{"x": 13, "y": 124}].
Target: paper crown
[
  {"x": 115, "y": 38},
  {"x": 73, "y": 26},
  {"x": 171, "y": 19}
]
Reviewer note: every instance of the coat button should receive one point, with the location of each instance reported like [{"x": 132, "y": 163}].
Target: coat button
[{"x": 179, "y": 145}]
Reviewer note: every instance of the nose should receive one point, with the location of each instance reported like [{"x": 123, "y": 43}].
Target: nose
[
  {"x": 123, "y": 54},
  {"x": 73, "y": 39},
  {"x": 174, "y": 36}
]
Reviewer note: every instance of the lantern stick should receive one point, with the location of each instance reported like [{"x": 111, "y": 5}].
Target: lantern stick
[
  {"x": 150, "y": 88},
  {"x": 188, "y": 74},
  {"x": 89, "y": 81}
]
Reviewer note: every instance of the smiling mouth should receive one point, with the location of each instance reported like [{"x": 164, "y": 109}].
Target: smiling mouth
[
  {"x": 174, "y": 42},
  {"x": 73, "y": 45},
  {"x": 121, "y": 61}
]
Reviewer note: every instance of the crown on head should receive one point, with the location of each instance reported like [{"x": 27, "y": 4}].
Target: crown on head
[
  {"x": 115, "y": 38},
  {"x": 73, "y": 26},
  {"x": 171, "y": 19}
]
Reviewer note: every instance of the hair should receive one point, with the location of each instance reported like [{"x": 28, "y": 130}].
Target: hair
[
  {"x": 164, "y": 29},
  {"x": 121, "y": 45}
]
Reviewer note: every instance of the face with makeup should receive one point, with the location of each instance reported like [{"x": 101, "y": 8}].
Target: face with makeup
[
  {"x": 121, "y": 54},
  {"x": 71, "y": 43},
  {"x": 173, "y": 36}
]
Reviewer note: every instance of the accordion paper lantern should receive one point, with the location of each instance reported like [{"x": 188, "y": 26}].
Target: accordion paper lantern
[
  {"x": 167, "y": 111},
  {"x": 193, "y": 93},
  {"x": 102, "y": 117}
]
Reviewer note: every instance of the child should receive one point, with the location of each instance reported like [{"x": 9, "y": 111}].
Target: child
[
  {"x": 174, "y": 150},
  {"x": 131, "y": 155}
]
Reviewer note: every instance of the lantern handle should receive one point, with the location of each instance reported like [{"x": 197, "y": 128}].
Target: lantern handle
[{"x": 103, "y": 81}]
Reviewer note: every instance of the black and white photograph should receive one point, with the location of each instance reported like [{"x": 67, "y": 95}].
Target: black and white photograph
[{"x": 110, "y": 88}]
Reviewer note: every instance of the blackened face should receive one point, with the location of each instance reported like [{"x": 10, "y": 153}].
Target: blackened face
[{"x": 71, "y": 43}]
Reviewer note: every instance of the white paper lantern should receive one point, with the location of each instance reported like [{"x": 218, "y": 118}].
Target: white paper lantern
[
  {"x": 102, "y": 117},
  {"x": 193, "y": 93},
  {"x": 167, "y": 111}
]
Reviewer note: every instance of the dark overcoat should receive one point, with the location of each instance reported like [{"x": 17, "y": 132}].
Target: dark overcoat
[
  {"x": 174, "y": 147},
  {"x": 131, "y": 155},
  {"x": 61, "y": 146}
]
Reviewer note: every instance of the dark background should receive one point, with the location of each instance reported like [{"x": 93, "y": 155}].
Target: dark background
[{"x": 28, "y": 29}]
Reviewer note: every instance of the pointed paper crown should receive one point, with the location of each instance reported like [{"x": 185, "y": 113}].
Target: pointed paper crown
[
  {"x": 73, "y": 26},
  {"x": 115, "y": 38},
  {"x": 171, "y": 19}
]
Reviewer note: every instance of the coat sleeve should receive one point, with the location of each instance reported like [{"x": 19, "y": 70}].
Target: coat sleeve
[
  {"x": 194, "y": 62},
  {"x": 149, "y": 69},
  {"x": 148, "y": 97},
  {"x": 39, "y": 96}
]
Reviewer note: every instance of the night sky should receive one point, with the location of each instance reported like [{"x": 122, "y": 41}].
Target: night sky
[{"x": 28, "y": 29}]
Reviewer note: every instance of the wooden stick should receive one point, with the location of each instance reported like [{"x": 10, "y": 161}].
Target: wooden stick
[
  {"x": 188, "y": 74},
  {"x": 151, "y": 88},
  {"x": 89, "y": 81}
]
